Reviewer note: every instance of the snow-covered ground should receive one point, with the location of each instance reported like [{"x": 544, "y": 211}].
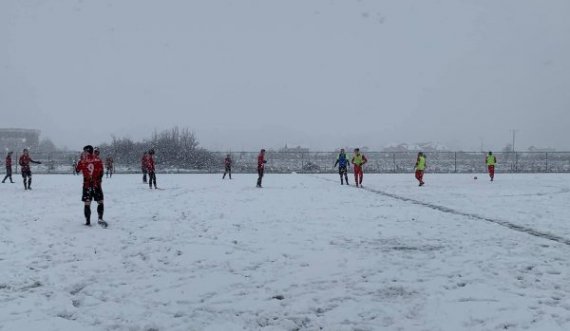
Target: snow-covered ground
[{"x": 303, "y": 253}]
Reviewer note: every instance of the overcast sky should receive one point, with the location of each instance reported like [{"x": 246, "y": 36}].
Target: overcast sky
[{"x": 244, "y": 74}]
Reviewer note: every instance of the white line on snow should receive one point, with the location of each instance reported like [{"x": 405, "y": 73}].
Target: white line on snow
[{"x": 506, "y": 224}]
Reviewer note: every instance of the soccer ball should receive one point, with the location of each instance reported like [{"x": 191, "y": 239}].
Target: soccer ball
[{"x": 475, "y": 177}]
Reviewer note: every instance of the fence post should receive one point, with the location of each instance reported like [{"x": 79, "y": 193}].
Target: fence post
[
  {"x": 516, "y": 162},
  {"x": 546, "y": 160},
  {"x": 302, "y": 162},
  {"x": 394, "y": 161}
]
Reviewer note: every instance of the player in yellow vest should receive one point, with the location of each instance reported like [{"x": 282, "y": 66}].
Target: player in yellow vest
[
  {"x": 491, "y": 160},
  {"x": 358, "y": 160},
  {"x": 420, "y": 168}
]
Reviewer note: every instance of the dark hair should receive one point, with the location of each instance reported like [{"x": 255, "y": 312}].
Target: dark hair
[{"x": 88, "y": 149}]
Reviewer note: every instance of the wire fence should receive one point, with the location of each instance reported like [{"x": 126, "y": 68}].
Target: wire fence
[{"x": 322, "y": 162}]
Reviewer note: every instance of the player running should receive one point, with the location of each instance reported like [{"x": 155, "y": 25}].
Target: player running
[
  {"x": 491, "y": 160},
  {"x": 8, "y": 168},
  {"x": 342, "y": 161},
  {"x": 228, "y": 166},
  {"x": 150, "y": 169},
  {"x": 25, "y": 169},
  {"x": 261, "y": 161},
  {"x": 420, "y": 168},
  {"x": 358, "y": 160},
  {"x": 91, "y": 166}
]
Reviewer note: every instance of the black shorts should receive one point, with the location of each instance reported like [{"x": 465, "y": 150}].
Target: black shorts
[
  {"x": 342, "y": 170},
  {"x": 92, "y": 194},
  {"x": 26, "y": 173}
]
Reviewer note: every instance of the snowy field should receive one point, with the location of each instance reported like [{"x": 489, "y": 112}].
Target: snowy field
[{"x": 303, "y": 253}]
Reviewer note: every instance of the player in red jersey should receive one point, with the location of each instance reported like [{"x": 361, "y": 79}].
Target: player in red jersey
[
  {"x": 24, "y": 162},
  {"x": 8, "y": 168},
  {"x": 260, "y": 166},
  {"x": 91, "y": 167},
  {"x": 143, "y": 166},
  {"x": 150, "y": 168}
]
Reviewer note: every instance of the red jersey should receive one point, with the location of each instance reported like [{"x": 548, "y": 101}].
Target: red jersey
[
  {"x": 109, "y": 163},
  {"x": 25, "y": 162},
  {"x": 8, "y": 161},
  {"x": 261, "y": 161},
  {"x": 149, "y": 163},
  {"x": 92, "y": 168},
  {"x": 227, "y": 162},
  {"x": 144, "y": 160}
]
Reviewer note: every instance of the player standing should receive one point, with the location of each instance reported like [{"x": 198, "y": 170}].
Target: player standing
[
  {"x": 228, "y": 166},
  {"x": 91, "y": 166},
  {"x": 25, "y": 169},
  {"x": 420, "y": 168},
  {"x": 491, "y": 160},
  {"x": 260, "y": 166},
  {"x": 109, "y": 166},
  {"x": 143, "y": 166},
  {"x": 150, "y": 169}
]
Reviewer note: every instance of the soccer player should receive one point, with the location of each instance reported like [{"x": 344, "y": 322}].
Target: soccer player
[
  {"x": 25, "y": 169},
  {"x": 91, "y": 166},
  {"x": 260, "y": 166},
  {"x": 150, "y": 169},
  {"x": 342, "y": 161},
  {"x": 109, "y": 166},
  {"x": 143, "y": 166},
  {"x": 8, "y": 168},
  {"x": 358, "y": 160},
  {"x": 420, "y": 168},
  {"x": 491, "y": 160},
  {"x": 228, "y": 166}
]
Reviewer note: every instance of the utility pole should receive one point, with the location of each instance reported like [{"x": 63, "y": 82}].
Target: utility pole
[{"x": 514, "y": 136}]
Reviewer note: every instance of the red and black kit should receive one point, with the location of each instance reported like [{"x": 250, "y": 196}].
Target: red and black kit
[
  {"x": 25, "y": 169},
  {"x": 8, "y": 168},
  {"x": 91, "y": 167}
]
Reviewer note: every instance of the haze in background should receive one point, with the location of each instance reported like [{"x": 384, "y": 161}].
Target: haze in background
[{"x": 245, "y": 74}]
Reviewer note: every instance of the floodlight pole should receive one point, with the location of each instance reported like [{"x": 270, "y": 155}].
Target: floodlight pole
[{"x": 514, "y": 136}]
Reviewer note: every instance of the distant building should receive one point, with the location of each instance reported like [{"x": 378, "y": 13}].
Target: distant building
[
  {"x": 18, "y": 139},
  {"x": 417, "y": 147},
  {"x": 543, "y": 150}
]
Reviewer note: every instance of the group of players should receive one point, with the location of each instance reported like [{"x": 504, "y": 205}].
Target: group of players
[
  {"x": 358, "y": 160},
  {"x": 25, "y": 169},
  {"x": 91, "y": 166}
]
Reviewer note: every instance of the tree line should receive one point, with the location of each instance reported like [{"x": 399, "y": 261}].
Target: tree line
[{"x": 173, "y": 148}]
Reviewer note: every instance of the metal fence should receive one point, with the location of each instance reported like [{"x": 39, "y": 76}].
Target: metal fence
[
  {"x": 404, "y": 162},
  {"x": 322, "y": 162}
]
